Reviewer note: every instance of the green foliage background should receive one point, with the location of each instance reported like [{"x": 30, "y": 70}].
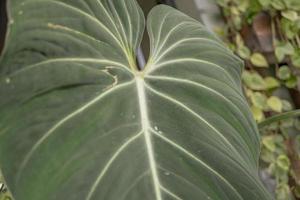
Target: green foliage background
[{"x": 266, "y": 34}]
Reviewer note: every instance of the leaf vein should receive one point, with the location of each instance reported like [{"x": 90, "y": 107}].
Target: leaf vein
[
  {"x": 28, "y": 67},
  {"x": 167, "y": 140},
  {"x": 190, "y": 111},
  {"x": 62, "y": 122},
  {"x": 109, "y": 163}
]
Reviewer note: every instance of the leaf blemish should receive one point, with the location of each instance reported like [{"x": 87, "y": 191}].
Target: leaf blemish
[
  {"x": 167, "y": 173},
  {"x": 54, "y": 26},
  {"x": 57, "y": 26},
  {"x": 115, "y": 78},
  {"x": 7, "y": 80}
]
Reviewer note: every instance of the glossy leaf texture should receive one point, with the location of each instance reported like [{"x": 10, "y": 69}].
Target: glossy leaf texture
[{"x": 79, "y": 121}]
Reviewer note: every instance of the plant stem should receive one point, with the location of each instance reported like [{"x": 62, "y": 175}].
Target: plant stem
[
  {"x": 279, "y": 117},
  {"x": 274, "y": 35},
  {"x": 298, "y": 40}
]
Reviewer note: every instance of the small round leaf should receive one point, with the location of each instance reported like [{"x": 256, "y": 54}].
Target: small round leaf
[
  {"x": 275, "y": 104},
  {"x": 284, "y": 73},
  {"x": 259, "y": 60}
]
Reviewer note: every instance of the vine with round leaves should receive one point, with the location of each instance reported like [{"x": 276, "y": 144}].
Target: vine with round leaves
[{"x": 266, "y": 34}]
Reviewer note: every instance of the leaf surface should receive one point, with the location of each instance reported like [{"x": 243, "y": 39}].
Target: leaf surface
[{"x": 79, "y": 121}]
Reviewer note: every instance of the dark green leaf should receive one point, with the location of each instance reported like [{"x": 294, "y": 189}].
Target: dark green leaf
[{"x": 79, "y": 121}]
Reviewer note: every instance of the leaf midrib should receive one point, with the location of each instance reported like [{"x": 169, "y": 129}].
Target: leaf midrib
[{"x": 146, "y": 128}]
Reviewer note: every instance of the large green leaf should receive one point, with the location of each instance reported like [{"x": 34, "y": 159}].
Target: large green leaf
[{"x": 80, "y": 122}]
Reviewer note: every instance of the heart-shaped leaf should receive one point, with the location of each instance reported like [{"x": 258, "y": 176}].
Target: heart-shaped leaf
[{"x": 79, "y": 120}]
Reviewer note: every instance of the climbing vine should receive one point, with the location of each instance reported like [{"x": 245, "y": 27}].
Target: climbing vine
[{"x": 266, "y": 34}]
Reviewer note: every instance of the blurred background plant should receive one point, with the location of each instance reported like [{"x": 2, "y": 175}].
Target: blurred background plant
[
  {"x": 4, "y": 193},
  {"x": 266, "y": 34}
]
